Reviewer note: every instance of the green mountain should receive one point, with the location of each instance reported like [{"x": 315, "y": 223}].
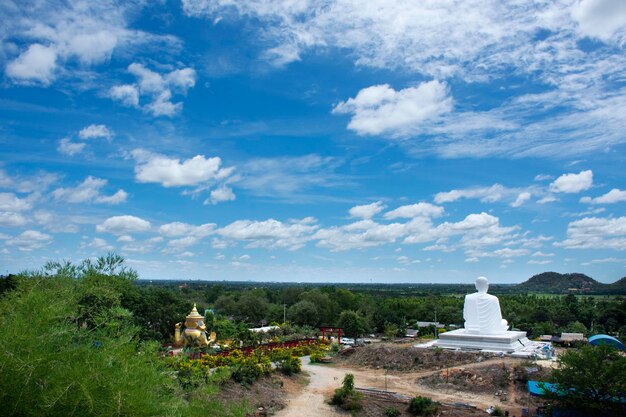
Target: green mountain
[
  {"x": 618, "y": 287},
  {"x": 554, "y": 282}
]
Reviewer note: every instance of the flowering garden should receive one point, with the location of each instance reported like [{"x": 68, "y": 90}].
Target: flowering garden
[{"x": 242, "y": 367}]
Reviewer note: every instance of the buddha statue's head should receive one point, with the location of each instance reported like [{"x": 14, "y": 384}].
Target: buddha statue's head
[{"x": 482, "y": 284}]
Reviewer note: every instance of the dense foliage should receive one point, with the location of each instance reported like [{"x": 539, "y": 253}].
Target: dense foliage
[
  {"x": 387, "y": 310},
  {"x": 591, "y": 380},
  {"x": 555, "y": 283},
  {"x": 70, "y": 348}
]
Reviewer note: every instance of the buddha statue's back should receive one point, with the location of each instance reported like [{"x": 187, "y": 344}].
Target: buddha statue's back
[{"x": 481, "y": 311}]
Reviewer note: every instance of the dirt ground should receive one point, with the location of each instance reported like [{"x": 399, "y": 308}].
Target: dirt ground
[
  {"x": 267, "y": 395},
  {"x": 407, "y": 358},
  {"x": 423, "y": 379},
  {"x": 376, "y": 407}
]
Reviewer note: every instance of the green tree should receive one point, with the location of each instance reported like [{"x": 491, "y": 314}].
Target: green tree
[
  {"x": 303, "y": 313},
  {"x": 591, "y": 380},
  {"x": 59, "y": 360},
  {"x": 252, "y": 307},
  {"x": 352, "y": 323}
]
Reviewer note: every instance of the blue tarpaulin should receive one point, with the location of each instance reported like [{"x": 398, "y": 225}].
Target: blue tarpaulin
[
  {"x": 605, "y": 339},
  {"x": 538, "y": 391}
]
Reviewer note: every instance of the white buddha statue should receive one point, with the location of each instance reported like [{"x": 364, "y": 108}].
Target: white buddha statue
[{"x": 482, "y": 311}]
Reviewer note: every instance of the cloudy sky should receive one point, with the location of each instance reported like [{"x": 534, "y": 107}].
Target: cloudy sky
[{"x": 379, "y": 141}]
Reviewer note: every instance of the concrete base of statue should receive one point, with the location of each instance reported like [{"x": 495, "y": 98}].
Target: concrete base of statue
[{"x": 508, "y": 342}]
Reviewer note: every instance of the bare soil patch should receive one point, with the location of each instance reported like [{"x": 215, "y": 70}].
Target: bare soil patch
[
  {"x": 266, "y": 396},
  {"x": 375, "y": 407},
  {"x": 408, "y": 359},
  {"x": 488, "y": 379}
]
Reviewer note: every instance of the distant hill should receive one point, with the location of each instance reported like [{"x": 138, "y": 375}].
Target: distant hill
[
  {"x": 554, "y": 282},
  {"x": 619, "y": 286}
]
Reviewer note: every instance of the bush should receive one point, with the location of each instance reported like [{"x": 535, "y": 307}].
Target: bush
[
  {"x": 392, "y": 412},
  {"x": 317, "y": 357},
  {"x": 498, "y": 412},
  {"x": 246, "y": 372},
  {"x": 347, "y": 397},
  {"x": 289, "y": 366},
  {"x": 423, "y": 406}
]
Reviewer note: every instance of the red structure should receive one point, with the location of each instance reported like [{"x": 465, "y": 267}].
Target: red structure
[{"x": 331, "y": 331}]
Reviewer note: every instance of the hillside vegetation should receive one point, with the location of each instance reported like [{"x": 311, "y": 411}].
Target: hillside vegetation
[{"x": 554, "y": 282}]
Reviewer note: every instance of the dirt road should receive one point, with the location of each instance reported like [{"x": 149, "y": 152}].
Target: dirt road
[{"x": 311, "y": 400}]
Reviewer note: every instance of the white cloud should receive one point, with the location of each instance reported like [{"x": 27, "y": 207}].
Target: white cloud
[
  {"x": 359, "y": 235},
  {"x": 270, "y": 233},
  {"x": 30, "y": 240},
  {"x": 11, "y": 202},
  {"x": 601, "y": 19},
  {"x": 380, "y": 109},
  {"x": 221, "y": 194},
  {"x": 145, "y": 246},
  {"x": 289, "y": 177},
  {"x": 95, "y": 131},
  {"x": 521, "y": 199},
  {"x": 604, "y": 261},
  {"x": 596, "y": 233},
  {"x": 35, "y": 183},
  {"x": 100, "y": 244},
  {"x": 613, "y": 196},
  {"x": 537, "y": 262},
  {"x": 367, "y": 211},
  {"x": 541, "y": 254},
  {"x": 157, "y": 88},
  {"x": 547, "y": 199},
  {"x": 36, "y": 64},
  {"x": 572, "y": 183},
  {"x": 486, "y": 194},
  {"x": 11, "y": 219},
  {"x": 415, "y": 210},
  {"x": 472, "y": 233},
  {"x": 67, "y": 39},
  {"x": 475, "y": 41},
  {"x": 121, "y": 225},
  {"x": 67, "y": 147},
  {"x": 543, "y": 177},
  {"x": 171, "y": 172},
  {"x": 89, "y": 191},
  {"x": 126, "y": 94},
  {"x": 177, "y": 229}
]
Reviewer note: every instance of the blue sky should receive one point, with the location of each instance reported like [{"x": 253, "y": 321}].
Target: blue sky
[{"x": 335, "y": 141}]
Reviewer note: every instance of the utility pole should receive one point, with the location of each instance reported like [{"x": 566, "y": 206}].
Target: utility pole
[{"x": 436, "y": 327}]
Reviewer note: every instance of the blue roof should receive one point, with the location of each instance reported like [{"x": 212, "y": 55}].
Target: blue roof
[{"x": 605, "y": 339}]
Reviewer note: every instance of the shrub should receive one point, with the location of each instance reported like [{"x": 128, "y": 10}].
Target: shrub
[
  {"x": 289, "y": 366},
  {"x": 246, "y": 372},
  {"x": 347, "y": 397},
  {"x": 334, "y": 348},
  {"x": 497, "y": 411},
  {"x": 423, "y": 406},
  {"x": 316, "y": 357},
  {"x": 392, "y": 412}
]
